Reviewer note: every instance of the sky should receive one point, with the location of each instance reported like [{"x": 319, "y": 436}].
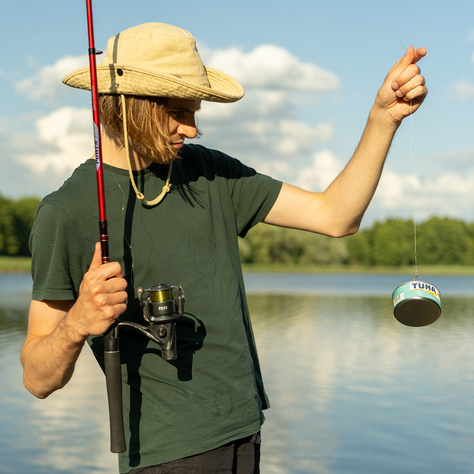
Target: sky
[{"x": 310, "y": 69}]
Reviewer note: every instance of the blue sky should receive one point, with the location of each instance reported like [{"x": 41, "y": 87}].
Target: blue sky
[{"x": 311, "y": 70}]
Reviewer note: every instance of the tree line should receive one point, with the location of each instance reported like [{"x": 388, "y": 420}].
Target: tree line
[
  {"x": 439, "y": 241},
  {"x": 16, "y": 221}
]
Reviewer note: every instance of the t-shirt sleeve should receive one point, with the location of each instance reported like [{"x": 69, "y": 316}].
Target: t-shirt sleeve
[
  {"x": 58, "y": 262},
  {"x": 249, "y": 194},
  {"x": 253, "y": 195}
]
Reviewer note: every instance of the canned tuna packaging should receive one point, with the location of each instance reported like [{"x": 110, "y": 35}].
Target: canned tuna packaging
[{"x": 416, "y": 303}]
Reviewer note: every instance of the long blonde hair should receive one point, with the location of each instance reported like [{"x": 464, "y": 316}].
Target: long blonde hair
[{"x": 147, "y": 124}]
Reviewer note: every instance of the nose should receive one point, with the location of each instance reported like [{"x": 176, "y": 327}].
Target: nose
[{"x": 188, "y": 127}]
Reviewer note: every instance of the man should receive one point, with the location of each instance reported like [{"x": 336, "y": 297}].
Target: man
[{"x": 174, "y": 214}]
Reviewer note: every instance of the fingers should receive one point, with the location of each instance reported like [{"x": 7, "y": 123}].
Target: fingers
[
  {"x": 100, "y": 302},
  {"x": 408, "y": 82},
  {"x": 102, "y": 296}
]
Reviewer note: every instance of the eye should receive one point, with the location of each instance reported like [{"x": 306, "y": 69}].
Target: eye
[{"x": 177, "y": 114}]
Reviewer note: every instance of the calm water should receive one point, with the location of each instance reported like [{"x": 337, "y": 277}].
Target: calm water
[{"x": 352, "y": 390}]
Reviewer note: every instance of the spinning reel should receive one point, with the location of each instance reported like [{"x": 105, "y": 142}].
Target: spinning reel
[{"x": 162, "y": 305}]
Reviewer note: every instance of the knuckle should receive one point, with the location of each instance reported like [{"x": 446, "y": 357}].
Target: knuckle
[
  {"x": 101, "y": 300},
  {"x": 88, "y": 277}
]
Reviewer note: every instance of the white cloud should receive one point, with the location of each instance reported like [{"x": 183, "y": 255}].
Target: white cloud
[
  {"x": 271, "y": 67},
  {"x": 464, "y": 90},
  {"x": 67, "y": 138},
  {"x": 399, "y": 194},
  {"x": 46, "y": 85},
  {"x": 444, "y": 194},
  {"x": 263, "y": 126},
  {"x": 263, "y": 130},
  {"x": 322, "y": 172}
]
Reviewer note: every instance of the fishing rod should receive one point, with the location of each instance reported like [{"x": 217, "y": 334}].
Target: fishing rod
[
  {"x": 162, "y": 305},
  {"x": 113, "y": 371}
]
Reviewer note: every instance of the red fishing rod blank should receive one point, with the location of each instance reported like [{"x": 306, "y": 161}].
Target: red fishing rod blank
[{"x": 113, "y": 372}]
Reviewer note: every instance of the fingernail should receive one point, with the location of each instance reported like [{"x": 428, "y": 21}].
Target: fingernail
[
  {"x": 399, "y": 94},
  {"x": 395, "y": 85}
]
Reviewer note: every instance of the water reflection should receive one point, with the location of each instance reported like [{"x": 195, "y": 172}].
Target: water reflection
[
  {"x": 66, "y": 433},
  {"x": 352, "y": 390}
]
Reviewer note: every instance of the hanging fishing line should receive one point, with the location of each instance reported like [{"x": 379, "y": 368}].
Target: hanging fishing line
[
  {"x": 413, "y": 190},
  {"x": 415, "y": 303},
  {"x": 394, "y": 25},
  {"x": 412, "y": 151}
]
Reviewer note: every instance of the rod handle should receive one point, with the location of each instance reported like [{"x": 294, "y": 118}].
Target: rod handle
[{"x": 113, "y": 377}]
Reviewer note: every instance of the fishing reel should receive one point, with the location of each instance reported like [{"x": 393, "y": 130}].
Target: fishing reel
[{"x": 162, "y": 305}]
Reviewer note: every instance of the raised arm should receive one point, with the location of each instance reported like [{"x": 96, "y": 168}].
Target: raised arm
[
  {"x": 57, "y": 330},
  {"x": 338, "y": 211}
]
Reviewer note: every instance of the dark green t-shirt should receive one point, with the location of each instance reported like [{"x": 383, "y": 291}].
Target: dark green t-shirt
[{"x": 213, "y": 393}]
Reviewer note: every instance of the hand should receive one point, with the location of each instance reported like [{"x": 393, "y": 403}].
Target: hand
[
  {"x": 102, "y": 297},
  {"x": 404, "y": 89}
]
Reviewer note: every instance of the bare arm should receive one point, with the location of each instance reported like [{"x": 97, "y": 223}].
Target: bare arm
[
  {"x": 51, "y": 347},
  {"x": 338, "y": 210},
  {"x": 57, "y": 330}
]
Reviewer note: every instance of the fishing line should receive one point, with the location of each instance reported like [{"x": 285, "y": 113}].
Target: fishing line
[
  {"x": 413, "y": 190},
  {"x": 412, "y": 153},
  {"x": 415, "y": 303},
  {"x": 394, "y": 25}
]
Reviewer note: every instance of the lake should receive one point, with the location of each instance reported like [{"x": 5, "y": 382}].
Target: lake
[{"x": 352, "y": 390}]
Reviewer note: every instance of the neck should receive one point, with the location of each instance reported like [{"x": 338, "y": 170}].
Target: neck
[{"x": 114, "y": 153}]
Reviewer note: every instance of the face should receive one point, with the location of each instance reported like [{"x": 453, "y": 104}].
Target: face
[
  {"x": 182, "y": 120},
  {"x": 179, "y": 122}
]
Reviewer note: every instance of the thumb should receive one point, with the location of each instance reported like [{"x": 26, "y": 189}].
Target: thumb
[
  {"x": 97, "y": 257},
  {"x": 418, "y": 53},
  {"x": 405, "y": 60},
  {"x": 411, "y": 56}
]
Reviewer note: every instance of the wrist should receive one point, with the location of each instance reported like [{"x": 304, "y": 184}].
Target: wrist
[
  {"x": 381, "y": 119},
  {"x": 72, "y": 330}
]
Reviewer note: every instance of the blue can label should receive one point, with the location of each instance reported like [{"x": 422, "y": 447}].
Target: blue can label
[{"x": 416, "y": 289}]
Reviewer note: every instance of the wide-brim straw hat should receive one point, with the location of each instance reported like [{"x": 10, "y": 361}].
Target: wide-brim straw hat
[{"x": 157, "y": 60}]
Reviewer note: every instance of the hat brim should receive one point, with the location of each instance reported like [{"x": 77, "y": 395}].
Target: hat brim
[{"x": 116, "y": 79}]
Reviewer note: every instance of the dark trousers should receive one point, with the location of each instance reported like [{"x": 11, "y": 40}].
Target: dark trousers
[{"x": 237, "y": 457}]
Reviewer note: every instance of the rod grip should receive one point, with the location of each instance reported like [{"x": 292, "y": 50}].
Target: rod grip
[{"x": 113, "y": 378}]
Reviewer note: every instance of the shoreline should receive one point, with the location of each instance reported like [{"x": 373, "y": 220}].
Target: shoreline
[
  {"x": 23, "y": 265},
  {"x": 458, "y": 270}
]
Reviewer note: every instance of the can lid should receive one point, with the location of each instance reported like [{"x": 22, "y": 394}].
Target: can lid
[{"x": 417, "y": 311}]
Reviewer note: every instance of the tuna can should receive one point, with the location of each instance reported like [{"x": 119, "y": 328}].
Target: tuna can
[{"x": 416, "y": 303}]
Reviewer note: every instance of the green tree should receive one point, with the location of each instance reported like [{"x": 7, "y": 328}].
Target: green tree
[
  {"x": 393, "y": 242},
  {"x": 322, "y": 250},
  {"x": 469, "y": 255},
  {"x": 443, "y": 241},
  {"x": 388, "y": 243},
  {"x": 359, "y": 248},
  {"x": 24, "y": 218},
  {"x": 16, "y": 221},
  {"x": 9, "y": 242},
  {"x": 271, "y": 244}
]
